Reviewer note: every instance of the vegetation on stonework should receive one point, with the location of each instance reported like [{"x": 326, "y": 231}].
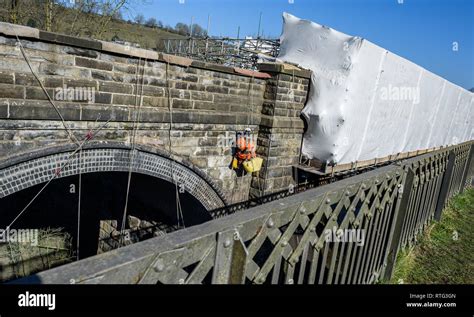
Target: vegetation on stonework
[{"x": 50, "y": 248}]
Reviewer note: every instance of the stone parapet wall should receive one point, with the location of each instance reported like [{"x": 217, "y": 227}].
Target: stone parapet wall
[
  {"x": 199, "y": 105},
  {"x": 281, "y": 128}
]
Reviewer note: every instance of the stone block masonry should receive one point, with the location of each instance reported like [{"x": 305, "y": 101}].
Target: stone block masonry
[
  {"x": 281, "y": 128},
  {"x": 209, "y": 104}
]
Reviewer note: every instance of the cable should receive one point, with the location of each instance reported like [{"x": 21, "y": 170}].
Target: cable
[
  {"x": 271, "y": 137},
  {"x": 22, "y": 50},
  {"x": 88, "y": 137},
  {"x": 80, "y": 196},
  {"x": 259, "y": 185},
  {"x": 179, "y": 211},
  {"x": 139, "y": 101},
  {"x": 236, "y": 180},
  {"x": 79, "y": 205}
]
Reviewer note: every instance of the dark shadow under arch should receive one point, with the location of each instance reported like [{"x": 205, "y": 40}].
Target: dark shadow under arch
[
  {"x": 104, "y": 169},
  {"x": 29, "y": 169}
]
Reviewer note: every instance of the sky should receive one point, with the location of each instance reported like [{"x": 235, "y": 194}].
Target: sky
[{"x": 423, "y": 31}]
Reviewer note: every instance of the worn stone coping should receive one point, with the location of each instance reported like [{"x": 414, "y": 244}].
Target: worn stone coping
[
  {"x": 284, "y": 68},
  {"x": 9, "y": 29}
]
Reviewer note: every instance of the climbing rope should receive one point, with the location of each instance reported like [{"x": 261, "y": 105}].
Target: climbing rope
[
  {"x": 22, "y": 50},
  {"x": 138, "y": 104},
  {"x": 90, "y": 135},
  {"x": 270, "y": 137},
  {"x": 249, "y": 114},
  {"x": 79, "y": 204},
  {"x": 179, "y": 211},
  {"x": 71, "y": 136},
  {"x": 79, "y": 194}
]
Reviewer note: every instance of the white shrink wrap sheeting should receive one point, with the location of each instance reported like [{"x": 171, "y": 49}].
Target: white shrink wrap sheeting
[{"x": 366, "y": 102}]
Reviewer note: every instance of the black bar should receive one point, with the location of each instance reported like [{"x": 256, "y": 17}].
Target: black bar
[{"x": 224, "y": 299}]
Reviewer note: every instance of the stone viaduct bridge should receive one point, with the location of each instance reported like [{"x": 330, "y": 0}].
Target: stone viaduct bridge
[
  {"x": 166, "y": 117},
  {"x": 169, "y": 122}
]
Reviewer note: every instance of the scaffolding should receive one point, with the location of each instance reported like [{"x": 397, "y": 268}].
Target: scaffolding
[{"x": 236, "y": 52}]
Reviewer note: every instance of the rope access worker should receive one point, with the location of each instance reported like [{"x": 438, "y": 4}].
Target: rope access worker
[
  {"x": 245, "y": 146},
  {"x": 245, "y": 153}
]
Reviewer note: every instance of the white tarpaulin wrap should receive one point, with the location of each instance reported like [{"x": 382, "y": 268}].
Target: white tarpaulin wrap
[{"x": 366, "y": 102}]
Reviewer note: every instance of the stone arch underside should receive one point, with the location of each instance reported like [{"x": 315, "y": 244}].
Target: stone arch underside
[{"x": 41, "y": 169}]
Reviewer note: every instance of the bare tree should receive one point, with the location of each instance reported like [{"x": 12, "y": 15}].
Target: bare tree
[
  {"x": 78, "y": 9},
  {"x": 198, "y": 31},
  {"x": 92, "y": 17},
  {"x": 182, "y": 28},
  {"x": 109, "y": 9},
  {"x": 48, "y": 7},
  {"x": 88, "y": 18},
  {"x": 118, "y": 16},
  {"x": 139, "y": 19},
  {"x": 14, "y": 11},
  {"x": 152, "y": 23}
]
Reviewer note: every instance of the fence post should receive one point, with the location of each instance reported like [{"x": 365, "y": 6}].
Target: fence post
[
  {"x": 467, "y": 168},
  {"x": 401, "y": 209},
  {"x": 444, "y": 191},
  {"x": 231, "y": 258}
]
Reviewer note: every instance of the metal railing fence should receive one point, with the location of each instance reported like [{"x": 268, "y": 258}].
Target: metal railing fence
[{"x": 345, "y": 232}]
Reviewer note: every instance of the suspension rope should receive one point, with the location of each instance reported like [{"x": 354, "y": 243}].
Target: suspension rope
[
  {"x": 138, "y": 104},
  {"x": 249, "y": 114},
  {"x": 79, "y": 205},
  {"x": 90, "y": 135},
  {"x": 251, "y": 82},
  {"x": 270, "y": 137},
  {"x": 22, "y": 50},
  {"x": 236, "y": 179},
  {"x": 80, "y": 195},
  {"x": 259, "y": 184},
  {"x": 179, "y": 211},
  {"x": 301, "y": 145}
]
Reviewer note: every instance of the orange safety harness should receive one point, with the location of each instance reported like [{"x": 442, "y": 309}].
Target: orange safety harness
[
  {"x": 245, "y": 157},
  {"x": 245, "y": 148}
]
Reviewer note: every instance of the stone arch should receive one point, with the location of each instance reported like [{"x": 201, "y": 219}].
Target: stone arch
[{"x": 26, "y": 170}]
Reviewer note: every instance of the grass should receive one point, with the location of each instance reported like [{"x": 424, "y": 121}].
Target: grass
[
  {"x": 150, "y": 38},
  {"x": 445, "y": 252},
  {"x": 86, "y": 25}
]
